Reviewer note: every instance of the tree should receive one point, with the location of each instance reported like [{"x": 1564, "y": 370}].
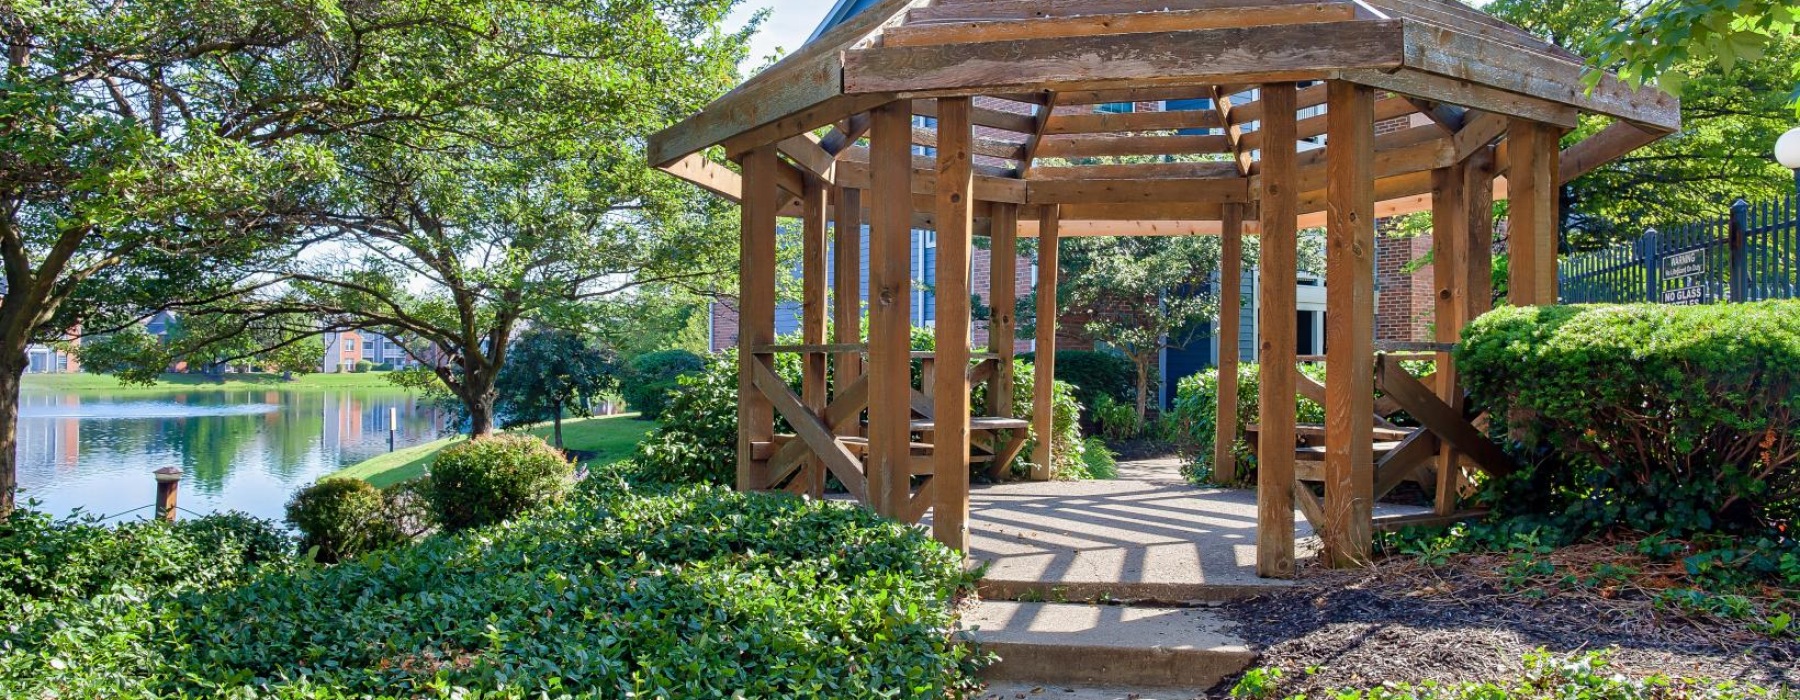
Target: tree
[
  {"x": 210, "y": 344},
  {"x": 1730, "y": 120},
  {"x": 1138, "y": 295},
  {"x": 152, "y": 150},
  {"x": 1661, "y": 41},
  {"x": 551, "y": 373}
]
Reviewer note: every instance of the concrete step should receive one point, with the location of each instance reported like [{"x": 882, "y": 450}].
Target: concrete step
[{"x": 1107, "y": 645}]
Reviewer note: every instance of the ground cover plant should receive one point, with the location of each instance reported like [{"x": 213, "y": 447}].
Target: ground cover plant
[{"x": 618, "y": 592}]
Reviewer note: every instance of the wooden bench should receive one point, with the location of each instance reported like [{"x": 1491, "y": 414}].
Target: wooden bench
[{"x": 1317, "y": 431}]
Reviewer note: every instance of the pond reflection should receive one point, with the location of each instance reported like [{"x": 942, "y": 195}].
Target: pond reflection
[{"x": 240, "y": 450}]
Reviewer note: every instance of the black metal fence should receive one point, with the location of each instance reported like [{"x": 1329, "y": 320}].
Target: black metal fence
[{"x": 1750, "y": 255}]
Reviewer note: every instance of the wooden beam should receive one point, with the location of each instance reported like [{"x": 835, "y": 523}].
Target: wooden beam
[
  {"x": 846, "y": 317},
  {"x": 1253, "y": 110},
  {"x": 1039, "y": 27},
  {"x": 950, "y": 440},
  {"x": 1121, "y": 60},
  {"x": 997, "y": 10},
  {"x": 1143, "y": 94},
  {"x": 984, "y": 116},
  {"x": 812, "y": 317},
  {"x": 845, "y": 134},
  {"x": 804, "y": 88},
  {"x": 1234, "y": 133},
  {"x": 805, "y": 151},
  {"x": 1231, "y": 302},
  {"x": 890, "y": 316},
  {"x": 1532, "y": 229},
  {"x": 1211, "y": 190},
  {"x": 1450, "y": 272},
  {"x": 1121, "y": 122},
  {"x": 1136, "y": 171},
  {"x": 1478, "y": 186},
  {"x": 996, "y": 148},
  {"x": 1002, "y": 295},
  {"x": 710, "y": 176},
  {"x": 1276, "y": 347},
  {"x": 756, "y": 310},
  {"x": 1418, "y": 83},
  {"x": 1313, "y": 126},
  {"x": 1594, "y": 151},
  {"x": 1043, "y": 413},
  {"x": 1135, "y": 145},
  {"x": 1461, "y": 56},
  {"x": 1035, "y": 142},
  {"x": 1349, "y": 325},
  {"x": 1478, "y": 133}
]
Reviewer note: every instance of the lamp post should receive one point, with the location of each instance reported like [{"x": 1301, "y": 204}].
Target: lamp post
[{"x": 1787, "y": 153}]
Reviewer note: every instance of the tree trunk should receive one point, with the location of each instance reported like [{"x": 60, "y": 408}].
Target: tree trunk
[
  {"x": 481, "y": 414},
  {"x": 12, "y": 366},
  {"x": 556, "y": 422},
  {"x": 1143, "y": 388}
]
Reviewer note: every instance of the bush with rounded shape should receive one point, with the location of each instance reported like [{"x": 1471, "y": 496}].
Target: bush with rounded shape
[
  {"x": 342, "y": 518},
  {"x": 653, "y": 377},
  {"x": 1654, "y": 417},
  {"x": 492, "y": 479},
  {"x": 1095, "y": 373},
  {"x": 1192, "y": 423}
]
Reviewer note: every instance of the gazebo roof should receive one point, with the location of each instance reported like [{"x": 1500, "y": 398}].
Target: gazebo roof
[{"x": 1039, "y": 67}]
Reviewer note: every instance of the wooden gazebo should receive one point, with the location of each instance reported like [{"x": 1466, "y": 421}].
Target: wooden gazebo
[{"x": 828, "y": 135}]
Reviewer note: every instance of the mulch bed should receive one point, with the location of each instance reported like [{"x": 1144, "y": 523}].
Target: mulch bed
[{"x": 1404, "y": 621}]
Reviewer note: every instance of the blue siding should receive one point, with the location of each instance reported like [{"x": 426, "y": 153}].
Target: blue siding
[{"x": 924, "y": 275}]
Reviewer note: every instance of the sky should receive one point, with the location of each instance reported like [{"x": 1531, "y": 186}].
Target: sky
[{"x": 790, "y": 22}]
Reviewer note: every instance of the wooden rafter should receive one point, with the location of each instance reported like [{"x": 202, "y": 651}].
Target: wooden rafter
[{"x": 1035, "y": 142}]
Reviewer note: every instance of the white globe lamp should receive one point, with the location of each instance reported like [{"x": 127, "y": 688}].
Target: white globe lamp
[{"x": 1787, "y": 153}]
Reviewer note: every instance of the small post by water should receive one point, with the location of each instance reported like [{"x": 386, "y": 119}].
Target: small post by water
[
  {"x": 393, "y": 425},
  {"x": 168, "y": 481}
]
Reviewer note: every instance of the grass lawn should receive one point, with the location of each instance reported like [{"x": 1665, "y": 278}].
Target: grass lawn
[
  {"x": 81, "y": 382},
  {"x": 608, "y": 438}
]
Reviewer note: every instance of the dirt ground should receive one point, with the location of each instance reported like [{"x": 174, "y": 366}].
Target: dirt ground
[{"x": 1405, "y": 622}]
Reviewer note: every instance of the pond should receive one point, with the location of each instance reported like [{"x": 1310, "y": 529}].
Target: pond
[{"x": 242, "y": 449}]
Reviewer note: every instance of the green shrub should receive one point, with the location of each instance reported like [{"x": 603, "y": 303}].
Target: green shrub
[
  {"x": 493, "y": 479},
  {"x": 1066, "y": 444},
  {"x": 342, "y": 518},
  {"x": 362, "y": 366},
  {"x": 696, "y": 443},
  {"x": 1097, "y": 460},
  {"x": 1118, "y": 420},
  {"x": 1193, "y": 422},
  {"x": 653, "y": 377},
  {"x": 1095, "y": 373},
  {"x": 1653, "y": 417},
  {"x": 690, "y": 593},
  {"x": 43, "y": 558}
]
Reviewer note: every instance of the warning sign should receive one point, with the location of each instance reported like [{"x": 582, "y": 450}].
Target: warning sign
[{"x": 1683, "y": 277}]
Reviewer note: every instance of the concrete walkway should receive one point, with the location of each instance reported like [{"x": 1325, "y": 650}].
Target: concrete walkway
[{"x": 1147, "y": 535}]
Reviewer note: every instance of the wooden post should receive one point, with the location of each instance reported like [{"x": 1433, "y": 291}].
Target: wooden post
[
  {"x": 168, "y": 482},
  {"x": 812, "y": 317},
  {"x": 1231, "y": 301},
  {"x": 889, "y": 463},
  {"x": 1043, "y": 376},
  {"x": 756, "y": 311},
  {"x": 1478, "y": 186},
  {"x": 846, "y": 294},
  {"x": 1450, "y": 270},
  {"x": 1532, "y": 189},
  {"x": 1003, "y": 278},
  {"x": 1279, "y": 208},
  {"x": 955, "y": 223},
  {"x": 1349, "y": 323}
]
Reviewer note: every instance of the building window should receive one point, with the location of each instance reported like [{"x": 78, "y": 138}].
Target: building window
[{"x": 1115, "y": 108}]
